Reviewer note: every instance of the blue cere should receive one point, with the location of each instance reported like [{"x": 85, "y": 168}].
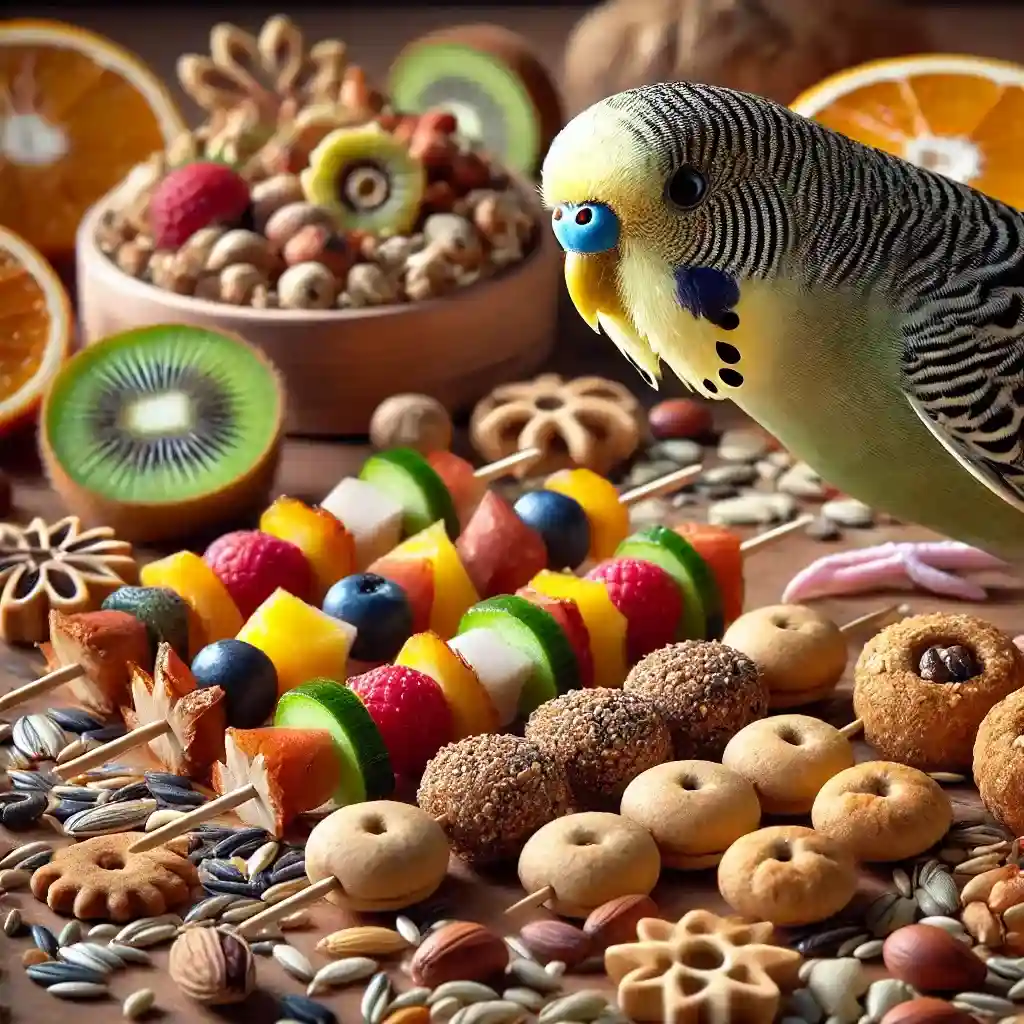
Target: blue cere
[{"x": 585, "y": 227}]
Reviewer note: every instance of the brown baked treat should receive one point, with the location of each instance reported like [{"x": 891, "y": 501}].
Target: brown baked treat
[
  {"x": 706, "y": 692},
  {"x": 602, "y": 739},
  {"x": 492, "y": 791},
  {"x": 881, "y": 811},
  {"x": 999, "y": 762},
  {"x": 923, "y": 685}
]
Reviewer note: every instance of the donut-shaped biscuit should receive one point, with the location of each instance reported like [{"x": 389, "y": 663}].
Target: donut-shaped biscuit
[
  {"x": 694, "y": 810},
  {"x": 788, "y": 758},
  {"x": 932, "y": 725},
  {"x": 787, "y": 874},
  {"x": 999, "y": 762},
  {"x": 801, "y": 653},
  {"x": 589, "y": 859},
  {"x": 385, "y": 855},
  {"x": 881, "y": 811}
]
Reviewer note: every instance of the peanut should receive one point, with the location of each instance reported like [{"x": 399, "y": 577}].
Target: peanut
[
  {"x": 307, "y": 286},
  {"x": 240, "y": 246}
]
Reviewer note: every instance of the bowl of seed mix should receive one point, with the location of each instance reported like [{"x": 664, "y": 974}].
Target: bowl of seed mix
[{"x": 365, "y": 250}]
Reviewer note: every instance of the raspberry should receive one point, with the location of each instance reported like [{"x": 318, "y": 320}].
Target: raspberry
[
  {"x": 410, "y": 711},
  {"x": 193, "y": 197},
  {"x": 649, "y": 599},
  {"x": 252, "y": 565}
]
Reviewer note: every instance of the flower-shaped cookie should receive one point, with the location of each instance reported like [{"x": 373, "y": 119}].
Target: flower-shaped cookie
[
  {"x": 99, "y": 879},
  {"x": 700, "y": 970},
  {"x": 58, "y": 566},
  {"x": 589, "y": 422}
]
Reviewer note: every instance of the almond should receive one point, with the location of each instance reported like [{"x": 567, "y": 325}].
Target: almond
[
  {"x": 615, "y": 922},
  {"x": 1006, "y": 893},
  {"x": 927, "y": 1011},
  {"x": 982, "y": 925},
  {"x": 460, "y": 951},
  {"x": 556, "y": 940},
  {"x": 931, "y": 960},
  {"x": 980, "y": 886}
]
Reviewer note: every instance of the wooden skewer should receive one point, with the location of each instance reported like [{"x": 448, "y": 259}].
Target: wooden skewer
[
  {"x": 44, "y": 684},
  {"x": 129, "y": 741},
  {"x": 668, "y": 484},
  {"x": 531, "y": 902},
  {"x": 313, "y": 893},
  {"x": 770, "y": 536},
  {"x": 187, "y": 822},
  {"x": 496, "y": 470}
]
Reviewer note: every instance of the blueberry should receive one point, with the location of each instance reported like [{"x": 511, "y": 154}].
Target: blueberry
[
  {"x": 245, "y": 674},
  {"x": 378, "y": 608},
  {"x": 562, "y": 523}
]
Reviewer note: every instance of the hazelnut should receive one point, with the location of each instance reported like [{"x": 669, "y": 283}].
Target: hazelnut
[
  {"x": 931, "y": 960},
  {"x": 459, "y": 951},
  {"x": 285, "y": 222},
  {"x": 132, "y": 258},
  {"x": 411, "y": 421},
  {"x": 307, "y": 286},
  {"x": 368, "y": 285},
  {"x": 316, "y": 243},
  {"x": 212, "y": 966},
  {"x": 269, "y": 195},
  {"x": 238, "y": 283},
  {"x": 240, "y": 246},
  {"x": 456, "y": 237},
  {"x": 196, "y": 250}
]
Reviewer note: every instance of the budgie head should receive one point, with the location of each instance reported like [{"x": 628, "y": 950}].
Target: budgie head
[{"x": 665, "y": 198}]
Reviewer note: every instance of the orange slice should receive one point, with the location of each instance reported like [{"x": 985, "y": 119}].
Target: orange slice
[
  {"x": 35, "y": 328},
  {"x": 960, "y": 116},
  {"x": 77, "y": 113}
]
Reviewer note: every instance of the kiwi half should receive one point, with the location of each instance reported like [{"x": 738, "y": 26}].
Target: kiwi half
[
  {"x": 488, "y": 77},
  {"x": 163, "y": 431}
]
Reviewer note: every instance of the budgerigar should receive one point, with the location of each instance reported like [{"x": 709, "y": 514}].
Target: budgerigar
[{"x": 868, "y": 313}]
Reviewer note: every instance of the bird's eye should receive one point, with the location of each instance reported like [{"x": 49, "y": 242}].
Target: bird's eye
[{"x": 686, "y": 188}]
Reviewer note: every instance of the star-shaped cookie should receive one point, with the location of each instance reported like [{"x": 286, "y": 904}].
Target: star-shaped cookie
[{"x": 704, "y": 969}]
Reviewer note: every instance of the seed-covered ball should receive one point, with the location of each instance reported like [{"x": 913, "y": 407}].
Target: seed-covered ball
[
  {"x": 602, "y": 739},
  {"x": 492, "y": 791},
  {"x": 704, "y": 690}
]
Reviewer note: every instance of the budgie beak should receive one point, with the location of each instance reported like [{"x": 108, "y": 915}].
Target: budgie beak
[{"x": 592, "y": 284}]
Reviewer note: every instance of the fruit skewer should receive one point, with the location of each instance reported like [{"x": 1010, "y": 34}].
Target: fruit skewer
[
  {"x": 541, "y": 896},
  {"x": 210, "y": 606}
]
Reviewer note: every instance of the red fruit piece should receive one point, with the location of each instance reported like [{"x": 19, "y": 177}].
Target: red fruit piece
[
  {"x": 252, "y": 565},
  {"x": 500, "y": 552},
  {"x": 648, "y": 598},
  {"x": 410, "y": 711},
  {"x": 193, "y": 197},
  {"x": 722, "y": 552},
  {"x": 680, "y": 418},
  {"x": 416, "y": 577},
  {"x": 571, "y": 622},
  {"x": 459, "y": 476}
]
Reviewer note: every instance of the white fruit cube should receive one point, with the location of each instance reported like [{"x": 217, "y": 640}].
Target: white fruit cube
[
  {"x": 501, "y": 669},
  {"x": 374, "y": 519}
]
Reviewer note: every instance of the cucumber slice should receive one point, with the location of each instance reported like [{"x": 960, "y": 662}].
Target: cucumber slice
[
  {"x": 534, "y": 632},
  {"x": 406, "y": 477},
  {"x": 324, "y": 704},
  {"x": 702, "y": 603}
]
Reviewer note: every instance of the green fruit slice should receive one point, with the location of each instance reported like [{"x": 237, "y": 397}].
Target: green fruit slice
[
  {"x": 407, "y": 477},
  {"x": 501, "y": 95},
  {"x": 536, "y": 634},
  {"x": 702, "y": 604},
  {"x": 324, "y": 704},
  {"x": 163, "y": 430}
]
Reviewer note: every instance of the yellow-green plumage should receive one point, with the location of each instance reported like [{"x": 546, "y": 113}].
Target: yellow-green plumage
[{"x": 843, "y": 352}]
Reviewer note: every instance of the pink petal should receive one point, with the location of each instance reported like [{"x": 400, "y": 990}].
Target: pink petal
[
  {"x": 819, "y": 579},
  {"x": 937, "y": 582}
]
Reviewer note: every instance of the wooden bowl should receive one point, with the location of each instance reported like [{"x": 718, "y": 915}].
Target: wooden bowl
[{"x": 339, "y": 365}]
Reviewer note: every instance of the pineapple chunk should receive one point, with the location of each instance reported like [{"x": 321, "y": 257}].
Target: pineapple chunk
[
  {"x": 374, "y": 519},
  {"x": 501, "y": 669}
]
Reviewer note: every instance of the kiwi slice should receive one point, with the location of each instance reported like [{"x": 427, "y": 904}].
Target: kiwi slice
[
  {"x": 163, "y": 431},
  {"x": 488, "y": 77},
  {"x": 369, "y": 179}
]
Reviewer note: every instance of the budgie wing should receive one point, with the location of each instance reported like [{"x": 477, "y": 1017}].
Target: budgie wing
[{"x": 963, "y": 361}]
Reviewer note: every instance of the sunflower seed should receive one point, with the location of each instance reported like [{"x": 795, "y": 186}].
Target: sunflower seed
[
  {"x": 103, "y": 953},
  {"x": 1006, "y": 967},
  {"x": 23, "y": 852},
  {"x": 411, "y": 997},
  {"x": 230, "y": 845},
  {"x": 517, "y": 947},
  {"x": 51, "y": 973},
  {"x": 12, "y": 924},
  {"x": 77, "y": 990},
  {"x": 209, "y": 908},
  {"x": 44, "y": 939},
  {"x": 297, "y": 919},
  {"x": 110, "y": 778},
  {"x": 976, "y": 865},
  {"x": 242, "y": 911},
  {"x": 884, "y": 994},
  {"x": 217, "y": 887},
  {"x": 306, "y": 1011},
  {"x": 80, "y": 794},
  {"x": 263, "y": 947},
  {"x": 76, "y": 748},
  {"x": 465, "y": 991},
  {"x": 869, "y": 950},
  {"x": 341, "y": 972},
  {"x": 496, "y": 1011},
  {"x": 525, "y": 997},
  {"x": 997, "y": 984},
  {"x": 406, "y": 927},
  {"x": 24, "y": 780},
  {"x": 22, "y": 808},
  {"x": 109, "y": 818},
  {"x": 138, "y": 1004},
  {"x": 902, "y": 882},
  {"x": 1001, "y": 847},
  {"x": 14, "y": 878},
  {"x": 827, "y": 941},
  {"x": 947, "y": 924},
  {"x": 889, "y": 912},
  {"x": 1016, "y": 993},
  {"x": 38, "y": 737},
  {"x": 294, "y": 962},
  {"x": 132, "y": 791},
  {"x": 74, "y": 720},
  {"x": 175, "y": 796},
  {"x": 130, "y": 955},
  {"x": 146, "y": 922},
  {"x": 943, "y": 893},
  {"x": 583, "y": 1006},
  {"x": 444, "y": 1009},
  {"x": 288, "y": 872},
  {"x": 102, "y": 931},
  {"x": 81, "y": 956},
  {"x": 282, "y": 890},
  {"x": 852, "y": 943},
  {"x": 152, "y": 936},
  {"x": 70, "y": 934},
  {"x": 983, "y": 1003},
  {"x": 262, "y": 859},
  {"x": 532, "y": 975},
  {"x": 376, "y": 997}
]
